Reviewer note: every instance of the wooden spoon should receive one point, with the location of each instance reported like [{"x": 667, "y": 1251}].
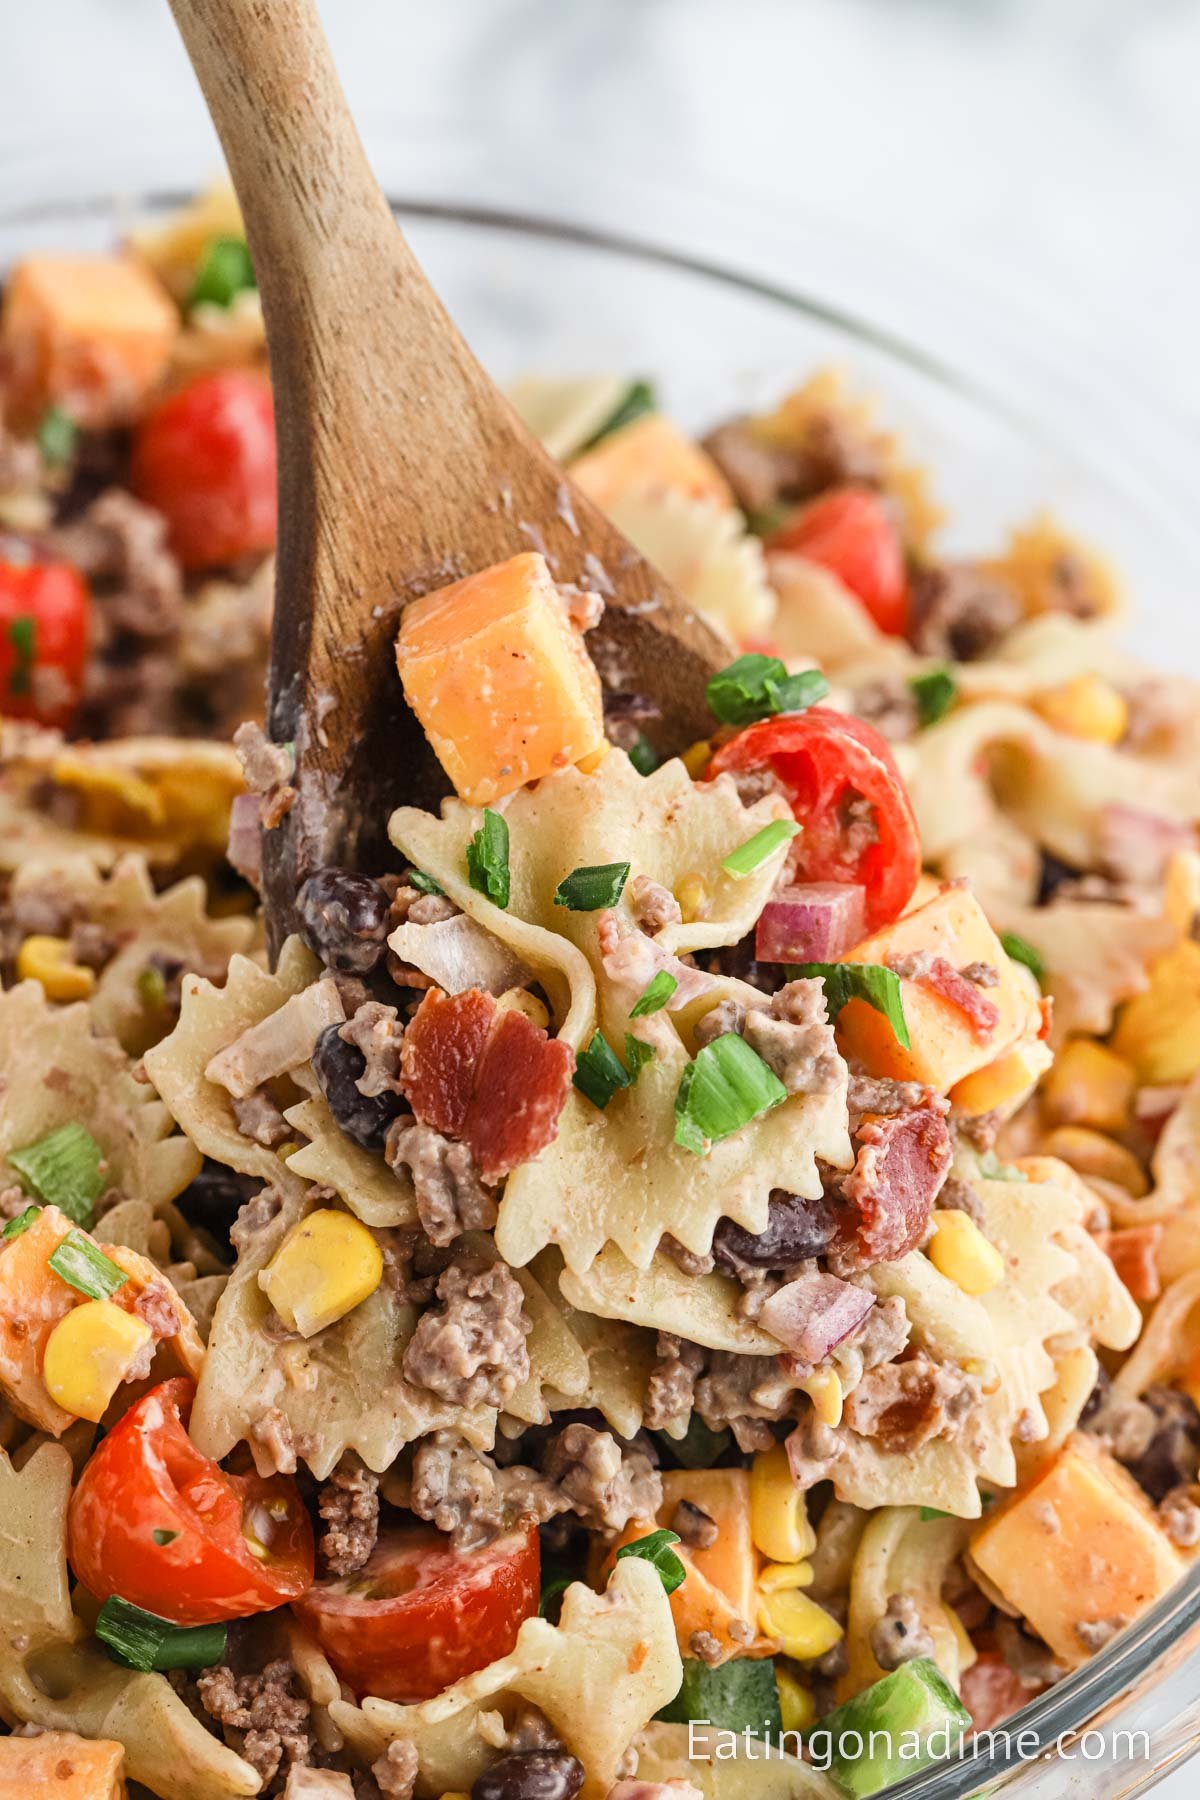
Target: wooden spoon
[{"x": 401, "y": 467}]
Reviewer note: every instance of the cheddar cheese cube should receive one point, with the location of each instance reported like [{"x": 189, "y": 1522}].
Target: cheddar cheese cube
[
  {"x": 91, "y": 333},
  {"x": 61, "y": 1766},
  {"x": 649, "y": 456},
  {"x": 946, "y": 1046},
  {"x": 1077, "y": 1551},
  {"x": 500, "y": 679}
]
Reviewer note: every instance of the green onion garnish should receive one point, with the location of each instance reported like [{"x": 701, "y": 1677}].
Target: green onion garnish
[
  {"x": 22, "y": 1222},
  {"x": 162, "y": 1538},
  {"x": 656, "y": 1550},
  {"x": 637, "y": 400},
  {"x": 142, "y": 1640},
  {"x": 726, "y": 1086},
  {"x": 654, "y": 996},
  {"x": 934, "y": 693},
  {"x": 552, "y": 1591},
  {"x": 151, "y": 987},
  {"x": 637, "y": 1054},
  {"x": 933, "y": 1512},
  {"x": 600, "y": 1073},
  {"x": 589, "y": 889},
  {"x": 754, "y": 852},
  {"x": 85, "y": 1266},
  {"x": 644, "y": 757},
  {"x": 424, "y": 884},
  {"x": 56, "y": 436},
  {"x": 871, "y": 982},
  {"x": 64, "y": 1169},
  {"x": 22, "y": 635},
  {"x": 225, "y": 271},
  {"x": 1022, "y": 951},
  {"x": 992, "y": 1169},
  {"x": 487, "y": 859},
  {"x": 755, "y": 687}
]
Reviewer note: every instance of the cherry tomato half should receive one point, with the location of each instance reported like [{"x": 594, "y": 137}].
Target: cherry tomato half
[
  {"x": 421, "y": 1615},
  {"x": 154, "y": 1520},
  {"x": 846, "y": 791},
  {"x": 44, "y": 618},
  {"x": 205, "y": 457},
  {"x": 850, "y": 532}
]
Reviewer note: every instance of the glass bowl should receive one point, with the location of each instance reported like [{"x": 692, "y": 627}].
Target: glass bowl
[{"x": 695, "y": 292}]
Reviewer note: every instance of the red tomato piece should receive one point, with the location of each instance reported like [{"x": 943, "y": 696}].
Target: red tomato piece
[
  {"x": 205, "y": 457},
  {"x": 421, "y": 1615},
  {"x": 849, "y": 531},
  {"x": 45, "y": 611},
  {"x": 846, "y": 791},
  {"x": 160, "y": 1524}
]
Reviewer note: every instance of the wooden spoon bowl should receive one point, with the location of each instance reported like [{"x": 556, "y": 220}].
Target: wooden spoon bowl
[{"x": 401, "y": 467}]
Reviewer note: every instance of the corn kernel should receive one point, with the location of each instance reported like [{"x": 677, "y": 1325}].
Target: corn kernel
[
  {"x": 1091, "y": 1153},
  {"x": 1159, "y": 1030},
  {"x": 797, "y": 1708},
  {"x": 697, "y": 757},
  {"x": 825, "y": 1391},
  {"x": 112, "y": 796},
  {"x": 779, "y": 1523},
  {"x": 48, "y": 960},
  {"x": 803, "y": 1628},
  {"x": 517, "y": 999},
  {"x": 692, "y": 895},
  {"x": 1089, "y": 1085},
  {"x": 1004, "y": 1082},
  {"x": 89, "y": 1354},
  {"x": 775, "y": 1576},
  {"x": 963, "y": 1255},
  {"x": 1086, "y": 707},
  {"x": 326, "y": 1266}
]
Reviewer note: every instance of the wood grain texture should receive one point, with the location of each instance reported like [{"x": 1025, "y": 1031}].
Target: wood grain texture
[{"x": 401, "y": 467}]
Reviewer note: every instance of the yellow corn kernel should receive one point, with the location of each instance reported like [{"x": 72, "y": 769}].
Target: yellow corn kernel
[
  {"x": 48, "y": 960},
  {"x": 825, "y": 1391},
  {"x": 797, "y": 1708},
  {"x": 785, "y": 1575},
  {"x": 1003, "y": 1082},
  {"x": 697, "y": 757},
  {"x": 283, "y": 1151},
  {"x": 963, "y": 1255},
  {"x": 1089, "y": 1085},
  {"x": 779, "y": 1524},
  {"x": 692, "y": 895},
  {"x": 1085, "y": 707},
  {"x": 89, "y": 1354},
  {"x": 516, "y": 999},
  {"x": 326, "y": 1266},
  {"x": 803, "y": 1628},
  {"x": 1159, "y": 1030},
  {"x": 1091, "y": 1153},
  {"x": 112, "y": 796}
]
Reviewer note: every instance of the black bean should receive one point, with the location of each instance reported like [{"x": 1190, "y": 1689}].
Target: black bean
[
  {"x": 214, "y": 1199},
  {"x": 343, "y": 917},
  {"x": 796, "y": 1229},
  {"x": 1173, "y": 1454},
  {"x": 338, "y": 1066},
  {"x": 531, "y": 1775}
]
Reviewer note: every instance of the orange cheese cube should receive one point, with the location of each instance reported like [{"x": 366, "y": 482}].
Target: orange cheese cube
[
  {"x": 1076, "y": 1550},
  {"x": 945, "y": 1046},
  {"x": 1005, "y": 1082},
  {"x": 61, "y": 1766},
  {"x": 649, "y": 456},
  {"x": 500, "y": 679},
  {"x": 92, "y": 333}
]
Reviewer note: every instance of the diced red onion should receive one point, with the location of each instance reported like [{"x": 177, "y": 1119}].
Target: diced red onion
[
  {"x": 459, "y": 954},
  {"x": 814, "y": 1314},
  {"x": 245, "y": 837},
  {"x": 1135, "y": 844},
  {"x": 815, "y": 922}
]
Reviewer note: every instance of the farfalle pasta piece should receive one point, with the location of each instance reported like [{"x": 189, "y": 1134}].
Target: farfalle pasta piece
[
  {"x": 707, "y": 556},
  {"x": 901, "y": 1552},
  {"x": 619, "y": 1357},
  {"x": 725, "y": 1766},
  {"x": 699, "y": 1308},
  {"x": 377, "y": 1195}
]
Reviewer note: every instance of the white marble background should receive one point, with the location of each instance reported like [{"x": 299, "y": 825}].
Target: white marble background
[{"x": 1043, "y": 152}]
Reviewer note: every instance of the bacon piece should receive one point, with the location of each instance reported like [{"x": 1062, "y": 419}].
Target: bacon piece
[
  {"x": 521, "y": 1086},
  {"x": 941, "y": 977},
  {"x": 1134, "y": 1253},
  {"x": 441, "y": 1050},
  {"x": 901, "y": 1164},
  {"x": 813, "y": 1315}
]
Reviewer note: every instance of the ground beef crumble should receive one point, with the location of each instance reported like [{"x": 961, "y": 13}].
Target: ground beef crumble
[
  {"x": 471, "y": 1350},
  {"x": 450, "y": 1193},
  {"x": 349, "y": 1506},
  {"x": 671, "y": 1388},
  {"x": 653, "y": 906},
  {"x": 795, "y": 1039},
  {"x": 375, "y": 1032},
  {"x": 264, "y": 1716},
  {"x": 899, "y": 1635}
]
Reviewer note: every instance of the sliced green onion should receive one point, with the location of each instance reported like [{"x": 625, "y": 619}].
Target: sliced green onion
[
  {"x": 424, "y": 884},
  {"x": 152, "y": 988},
  {"x": 85, "y": 1266},
  {"x": 726, "y": 1086},
  {"x": 22, "y": 635},
  {"x": 871, "y": 982},
  {"x": 655, "y": 995},
  {"x": 637, "y": 1054},
  {"x": 142, "y": 1640},
  {"x": 644, "y": 757},
  {"x": 589, "y": 889},
  {"x": 22, "y": 1222},
  {"x": 933, "y": 1512},
  {"x": 992, "y": 1169},
  {"x": 225, "y": 271},
  {"x": 765, "y": 521},
  {"x": 754, "y": 852},
  {"x": 656, "y": 1550},
  {"x": 638, "y": 399},
  {"x": 699, "y": 1448},
  {"x": 487, "y": 859},
  {"x": 57, "y": 435},
  {"x": 1022, "y": 951},
  {"x": 755, "y": 687},
  {"x": 65, "y": 1169},
  {"x": 163, "y": 1538},
  {"x": 553, "y": 1590},
  {"x": 600, "y": 1073},
  {"x": 934, "y": 693}
]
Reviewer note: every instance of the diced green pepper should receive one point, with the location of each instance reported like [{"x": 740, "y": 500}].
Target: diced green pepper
[
  {"x": 904, "y": 1722},
  {"x": 740, "y": 1695}
]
